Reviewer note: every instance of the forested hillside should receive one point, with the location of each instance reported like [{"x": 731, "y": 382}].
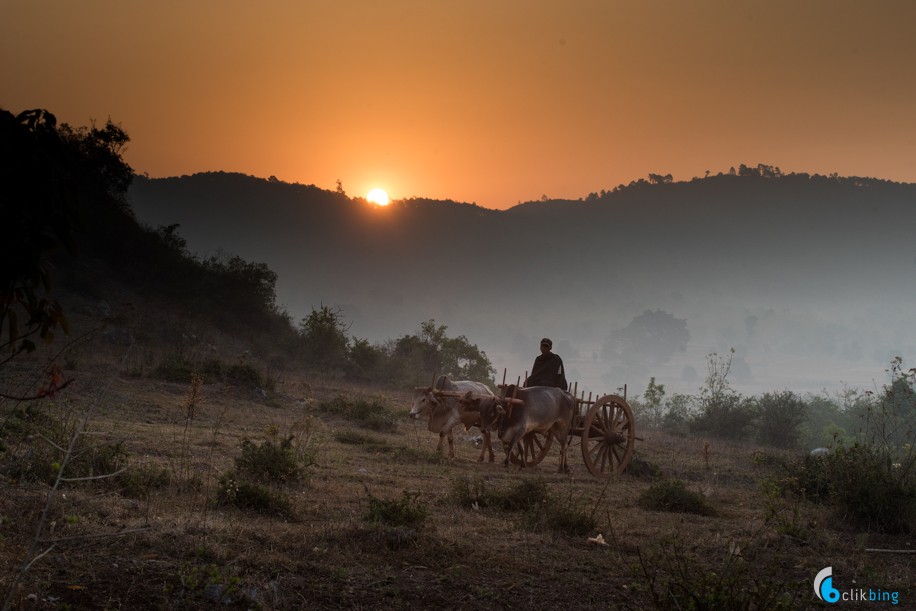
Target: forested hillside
[{"x": 766, "y": 262}]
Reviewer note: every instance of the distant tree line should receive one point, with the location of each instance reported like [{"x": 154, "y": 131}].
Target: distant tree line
[
  {"x": 63, "y": 193},
  {"x": 409, "y": 360},
  {"x": 761, "y": 170}
]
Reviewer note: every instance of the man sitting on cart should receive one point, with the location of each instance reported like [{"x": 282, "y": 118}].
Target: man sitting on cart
[{"x": 547, "y": 369}]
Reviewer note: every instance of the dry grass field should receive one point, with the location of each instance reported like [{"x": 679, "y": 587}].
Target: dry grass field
[{"x": 375, "y": 519}]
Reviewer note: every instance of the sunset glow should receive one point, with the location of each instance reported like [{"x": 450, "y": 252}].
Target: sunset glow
[
  {"x": 488, "y": 103},
  {"x": 378, "y": 196}
]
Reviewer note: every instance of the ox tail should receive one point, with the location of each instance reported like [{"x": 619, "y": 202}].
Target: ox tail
[{"x": 572, "y": 418}]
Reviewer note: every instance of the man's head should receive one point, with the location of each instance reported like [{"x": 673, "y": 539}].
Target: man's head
[{"x": 546, "y": 345}]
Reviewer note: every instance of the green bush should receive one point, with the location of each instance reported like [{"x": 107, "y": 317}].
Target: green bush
[
  {"x": 866, "y": 488},
  {"x": 672, "y": 495},
  {"x": 277, "y": 462},
  {"x": 372, "y": 414},
  {"x": 530, "y": 497},
  {"x": 251, "y": 497},
  {"x": 779, "y": 419},
  {"x": 726, "y": 417},
  {"x": 406, "y": 511},
  {"x": 869, "y": 490},
  {"x": 138, "y": 480},
  {"x": 175, "y": 370},
  {"x": 677, "y": 581},
  {"x": 243, "y": 374}
]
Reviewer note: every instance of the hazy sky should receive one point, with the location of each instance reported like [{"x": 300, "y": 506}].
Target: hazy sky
[{"x": 490, "y": 101}]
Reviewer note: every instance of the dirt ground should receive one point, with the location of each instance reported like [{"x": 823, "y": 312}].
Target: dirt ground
[{"x": 175, "y": 548}]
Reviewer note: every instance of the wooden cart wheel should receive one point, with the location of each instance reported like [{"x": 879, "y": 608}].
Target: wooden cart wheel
[
  {"x": 536, "y": 446},
  {"x": 608, "y": 436}
]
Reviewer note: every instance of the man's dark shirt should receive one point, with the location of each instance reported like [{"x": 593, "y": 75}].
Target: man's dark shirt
[{"x": 548, "y": 371}]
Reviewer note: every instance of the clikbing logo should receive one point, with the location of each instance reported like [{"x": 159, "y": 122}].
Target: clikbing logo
[{"x": 823, "y": 587}]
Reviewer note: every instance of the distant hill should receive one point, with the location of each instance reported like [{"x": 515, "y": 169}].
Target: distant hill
[{"x": 824, "y": 265}]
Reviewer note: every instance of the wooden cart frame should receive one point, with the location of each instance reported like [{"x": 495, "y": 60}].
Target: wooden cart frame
[
  {"x": 607, "y": 431},
  {"x": 605, "y": 427}
]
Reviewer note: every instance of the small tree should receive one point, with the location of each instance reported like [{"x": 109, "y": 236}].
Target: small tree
[
  {"x": 780, "y": 416},
  {"x": 431, "y": 351},
  {"x": 722, "y": 412},
  {"x": 653, "y": 403},
  {"x": 325, "y": 338}
]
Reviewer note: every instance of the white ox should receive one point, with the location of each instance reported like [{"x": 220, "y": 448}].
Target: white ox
[
  {"x": 446, "y": 412},
  {"x": 544, "y": 410}
]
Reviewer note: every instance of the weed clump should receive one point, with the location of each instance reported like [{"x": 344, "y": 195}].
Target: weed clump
[
  {"x": 677, "y": 581},
  {"x": 540, "y": 510},
  {"x": 372, "y": 414},
  {"x": 672, "y": 495},
  {"x": 253, "y": 497},
  {"x": 409, "y": 510},
  {"x": 271, "y": 459},
  {"x": 866, "y": 487},
  {"x": 138, "y": 480}
]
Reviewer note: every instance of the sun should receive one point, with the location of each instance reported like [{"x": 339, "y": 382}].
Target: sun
[{"x": 378, "y": 196}]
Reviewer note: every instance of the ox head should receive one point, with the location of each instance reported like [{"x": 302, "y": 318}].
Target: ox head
[
  {"x": 423, "y": 402},
  {"x": 490, "y": 410}
]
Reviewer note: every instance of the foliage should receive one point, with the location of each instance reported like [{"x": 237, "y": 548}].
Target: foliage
[
  {"x": 651, "y": 409},
  {"x": 251, "y": 497},
  {"x": 678, "y": 582},
  {"x": 248, "y": 288},
  {"x": 40, "y": 179},
  {"x": 672, "y": 495},
  {"x": 38, "y": 435},
  {"x": 779, "y": 417},
  {"x": 431, "y": 352},
  {"x": 652, "y": 337},
  {"x": 722, "y": 412},
  {"x": 273, "y": 459},
  {"x": 678, "y": 414},
  {"x": 871, "y": 481},
  {"x": 370, "y": 414},
  {"x": 139, "y": 480},
  {"x": 409, "y": 510},
  {"x": 530, "y": 497},
  {"x": 324, "y": 336}
]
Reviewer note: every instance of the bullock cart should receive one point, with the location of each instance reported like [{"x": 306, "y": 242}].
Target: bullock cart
[
  {"x": 607, "y": 431},
  {"x": 604, "y": 425}
]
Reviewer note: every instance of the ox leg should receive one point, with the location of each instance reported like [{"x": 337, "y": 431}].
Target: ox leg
[
  {"x": 485, "y": 446},
  {"x": 441, "y": 441},
  {"x": 517, "y": 442},
  {"x": 563, "y": 438},
  {"x": 451, "y": 444}
]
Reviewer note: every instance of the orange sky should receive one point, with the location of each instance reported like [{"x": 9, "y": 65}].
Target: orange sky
[{"x": 492, "y": 102}]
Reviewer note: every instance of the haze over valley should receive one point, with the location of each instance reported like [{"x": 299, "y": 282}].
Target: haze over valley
[{"x": 808, "y": 278}]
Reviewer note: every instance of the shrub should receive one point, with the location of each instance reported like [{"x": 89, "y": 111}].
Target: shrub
[
  {"x": 672, "y": 495},
  {"x": 869, "y": 491},
  {"x": 243, "y": 374},
  {"x": 274, "y": 461},
  {"x": 529, "y": 497},
  {"x": 727, "y": 416},
  {"x": 369, "y": 414},
  {"x": 251, "y": 497},
  {"x": 678, "y": 582},
  {"x": 780, "y": 416},
  {"x": 138, "y": 480},
  {"x": 406, "y": 511}
]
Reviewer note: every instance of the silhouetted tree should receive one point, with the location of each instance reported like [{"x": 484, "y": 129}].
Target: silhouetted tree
[
  {"x": 40, "y": 180},
  {"x": 652, "y": 336},
  {"x": 431, "y": 351},
  {"x": 325, "y": 338}
]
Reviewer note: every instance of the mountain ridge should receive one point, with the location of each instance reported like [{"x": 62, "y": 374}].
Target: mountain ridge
[{"x": 577, "y": 269}]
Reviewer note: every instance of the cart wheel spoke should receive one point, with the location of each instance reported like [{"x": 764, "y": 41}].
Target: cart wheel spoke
[{"x": 608, "y": 436}]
